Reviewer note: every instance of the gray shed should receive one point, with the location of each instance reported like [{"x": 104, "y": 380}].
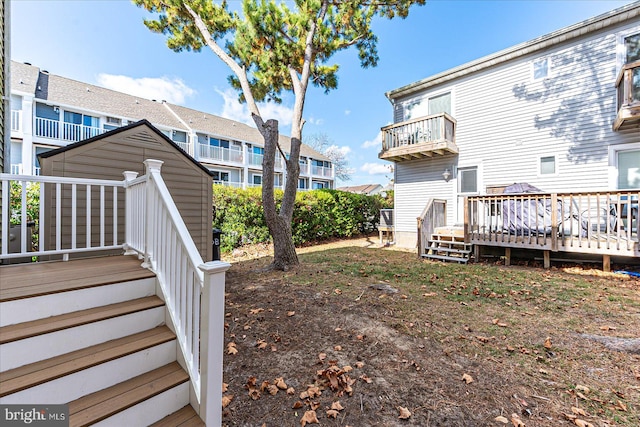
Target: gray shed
[{"x": 125, "y": 149}]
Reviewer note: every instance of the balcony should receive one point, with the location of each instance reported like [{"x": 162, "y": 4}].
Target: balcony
[
  {"x": 256, "y": 160},
  {"x": 321, "y": 171},
  {"x": 419, "y": 138},
  {"x": 47, "y": 128},
  {"x": 221, "y": 154},
  {"x": 228, "y": 183},
  {"x": 628, "y": 90}
]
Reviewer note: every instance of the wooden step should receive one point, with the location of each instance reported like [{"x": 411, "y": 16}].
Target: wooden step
[
  {"x": 100, "y": 405},
  {"x": 24, "y": 377},
  {"x": 446, "y": 258},
  {"x": 185, "y": 417},
  {"x": 44, "y": 278},
  {"x": 448, "y": 250},
  {"x": 56, "y": 323}
]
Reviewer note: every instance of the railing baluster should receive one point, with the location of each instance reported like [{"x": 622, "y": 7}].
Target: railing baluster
[
  {"x": 74, "y": 215},
  {"x": 88, "y": 216}
]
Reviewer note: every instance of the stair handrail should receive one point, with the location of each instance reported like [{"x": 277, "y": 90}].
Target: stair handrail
[
  {"x": 433, "y": 215},
  {"x": 192, "y": 289}
]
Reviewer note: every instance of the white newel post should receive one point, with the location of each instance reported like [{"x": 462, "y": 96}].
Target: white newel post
[
  {"x": 212, "y": 342},
  {"x": 128, "y": 214},
  {"x": 151, "y": 167}
]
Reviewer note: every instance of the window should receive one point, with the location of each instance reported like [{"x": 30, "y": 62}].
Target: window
[
  {"x": 257, "y": 150},
  {"x": 179, "y": 136},
  {"x": 468, "y": 180},
  {"x": 36, "y": 161},
  {"x": 628, "y": 169},
  {"x": 541, "y": 68},
  {"x": 548, "y": 165},
  {"x": 319, "y": 184},
  {"x": 435, "y": 104},
  {"x": 302, "y": 183},
  {"x": 220, "y": 176},
  {"x": 440, "y": 104},
  {"x": 257, "y": 179},
  {"x": 632, "y": 48},
  {"x": 114, "y": 121},
  {"x": 47, "y": 111},
  {"x": 303, "y": 161},
  {"x": 215, "y": 142}
]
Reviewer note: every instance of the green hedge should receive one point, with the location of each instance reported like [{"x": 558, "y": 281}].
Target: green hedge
[{"x": 318, "y": 214}]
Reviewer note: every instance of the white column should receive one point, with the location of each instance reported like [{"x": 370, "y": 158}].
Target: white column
[
  {"x": 245, "y": 167},
  {"x": 151, "y": 167},
  {"x": 212, "y": 342},
  {"x": 128, "y": 176},
  {"x": 28, "y": 117}
]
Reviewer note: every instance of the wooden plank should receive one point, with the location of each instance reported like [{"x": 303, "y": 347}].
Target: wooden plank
[
  {"x": 21, "y": 378},
  {"x": 105, "y": 403},
  {"x": 507, "y": 256},
  {"x": 186, "y": 416},
  {"x": 56, "y": 323},
  {"x": 547, "y": 259},
  {"x": 27, "y": 280},
  {"x": 606, "y": 263}
]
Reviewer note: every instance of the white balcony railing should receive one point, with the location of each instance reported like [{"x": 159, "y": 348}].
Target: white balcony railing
[
  {"x": 182, "y": 145},
  {"x": 255, "y": 159},
  {"x": 220, "y": 153},
  {"x": 16, "y": 120},
  {"x": 320, "y": 171},
  {"x": 16, "y": 169},
  {"x": 229, "y": 183},
  {"x": 47, "y": 128}
]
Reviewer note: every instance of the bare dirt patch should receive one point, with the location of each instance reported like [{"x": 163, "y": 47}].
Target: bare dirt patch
[{"x": 455, "y": 346}]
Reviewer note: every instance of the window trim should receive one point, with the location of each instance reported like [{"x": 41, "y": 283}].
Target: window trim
[
  {"x": 459, "y": 173},
  {"x": 425, "y": 98},
  {"x": 613, "y": 160},
  {"x": 555, "y": 165},
  {"x": 621, "y": 51}
]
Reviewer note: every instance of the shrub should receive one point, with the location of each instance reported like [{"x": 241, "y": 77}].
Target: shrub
[{"x": 318, "y": 215}]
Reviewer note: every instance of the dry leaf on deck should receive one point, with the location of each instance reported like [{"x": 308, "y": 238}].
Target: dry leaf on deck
[
  {"x": 261, "y": 344},
  {"x": 332, "y": 413},
  {"x": 309, "y": 417},
  {"x": 291, "y": 313},
  {"x": 337, "y": 406},
  {"x": 231, "y": 348},
  {"x": 291, "y": 391},
  {"x": 256, "y": 310},
  {"x": 467, "y": 378},
  {"x": 404, "y": 413},
  {"x": 225, "y": 387},
  {"x": 280, "y": 383}
]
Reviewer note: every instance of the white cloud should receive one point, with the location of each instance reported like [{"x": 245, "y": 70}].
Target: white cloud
[
  {"x": 234, "y": 110},
  {"x": 377, "y": 168},
  {"x": 375, "y": 142},
  {"x": 159, "y": 88},
  {"x": 315, "y": 121},
  {"x": 347, "y": 112},
  {"x": 343, "y": 151}
]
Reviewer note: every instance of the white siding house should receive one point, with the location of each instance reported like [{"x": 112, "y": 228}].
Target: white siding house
[{"x": 552, "y": 112}]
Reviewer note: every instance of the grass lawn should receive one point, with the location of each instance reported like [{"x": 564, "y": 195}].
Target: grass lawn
[{"x": 381, "y": 332}]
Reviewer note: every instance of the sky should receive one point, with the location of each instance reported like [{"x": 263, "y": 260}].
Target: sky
[{"x": 106, "y": 43}]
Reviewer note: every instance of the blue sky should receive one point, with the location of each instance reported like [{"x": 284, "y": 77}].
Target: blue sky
[{"x": 106, "y": 43}]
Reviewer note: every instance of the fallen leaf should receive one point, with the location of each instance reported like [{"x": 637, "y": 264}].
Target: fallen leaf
[
  {"x": 225, "y": 387},
  {"x": 226, "y": 400},
  {"x": 291, "y": 313},
  {"x": 347, "y": 368},
  {"x": 404, "y": 413},
  {"x": 516, "y": 421},
  {"x": 256, "y": 310},
  {"x": 337, "y": 348},
  {"x": 429, "y": 294},
  {"x": 359, "y": 365},
  {"x": 298, "y": 405},
  {"x": 467, "y": 378},
  {"x": 502, "y": 325},
  {"x": 231, "y": 348},
  {"x": 578, "y": 411},
  {"x": 332, "y": 413},
  {"x": 366, "y": 379},
  {"x": 583, "y": 388},
  {"x": 582, "y": 423},
  {"x": 309, "y": 417},
  {"x": 501, "y": 419},
  {"x": 322, "y": 356},
  {"x": 547, "y": 343},
  {"x": 264, "y": 385},
  {"x": 280, "y": 383},
  {"x": 621, "y": 406},
  {"x": 291, "y": 391},
  {"x": 273, "y": 390},
  {"x": 337, "y": 291},
  {"x": 261, "y": 344},
  {"x": 337, "y": 329},
  {"x": 482, "y": 338},
  {"x": 313, "y": 392},
  {"x": 337, "y": 406},
  {"x": 404, "y": 296},
  {"x": 607, "y": 328}
]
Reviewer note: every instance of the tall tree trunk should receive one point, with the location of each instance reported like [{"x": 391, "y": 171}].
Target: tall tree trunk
[{"x": 279, "y": 223}]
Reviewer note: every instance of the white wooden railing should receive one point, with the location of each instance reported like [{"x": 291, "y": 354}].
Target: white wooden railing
[
  {"x": 321, "y": 171},
  {"x": 48, "y": 128},
  {"x": 71, "y": 224},
  {"x": 16, "y": 120},
  {"x": 435, "y": 128},
  {"x": 433, "y": 215},
  {"x": 137, "y": 214},
  {"x": 220, "y": 153},
  {"x": 193, "y": 291}
]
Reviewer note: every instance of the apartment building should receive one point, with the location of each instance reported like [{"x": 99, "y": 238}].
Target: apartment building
[{"x": 50, "y": 111}]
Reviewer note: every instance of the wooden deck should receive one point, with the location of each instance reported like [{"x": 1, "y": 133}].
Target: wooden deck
[{"x": 42, "y": 278}]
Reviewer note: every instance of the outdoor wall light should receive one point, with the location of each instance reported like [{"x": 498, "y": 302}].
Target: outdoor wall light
[{"x": 446, "y": 174}]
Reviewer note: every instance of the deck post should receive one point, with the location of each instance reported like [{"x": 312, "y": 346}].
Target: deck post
[
  {"x": 507, "y": 256},
  {"x": 554, "y": 223},
  {"x": 466, "y": 229},
  {"x": 606, "y": 263},
  {"x": 547, "y": 259},
  {"x": 420, "y": 242},
  {"x": 212, "y": 341}
]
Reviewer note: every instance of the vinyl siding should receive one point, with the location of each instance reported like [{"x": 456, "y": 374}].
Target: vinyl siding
[
  {"x": 107, "y": 158},
  {"x": 506, "y": 121}
]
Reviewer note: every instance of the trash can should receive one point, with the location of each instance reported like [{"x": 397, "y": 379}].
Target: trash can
[{"x": 216, "y": 244}]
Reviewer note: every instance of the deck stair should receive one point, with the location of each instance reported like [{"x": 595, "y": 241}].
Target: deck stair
[
  {"x": 447, "y": 244},
  {"x": 92, "y": 334}
]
